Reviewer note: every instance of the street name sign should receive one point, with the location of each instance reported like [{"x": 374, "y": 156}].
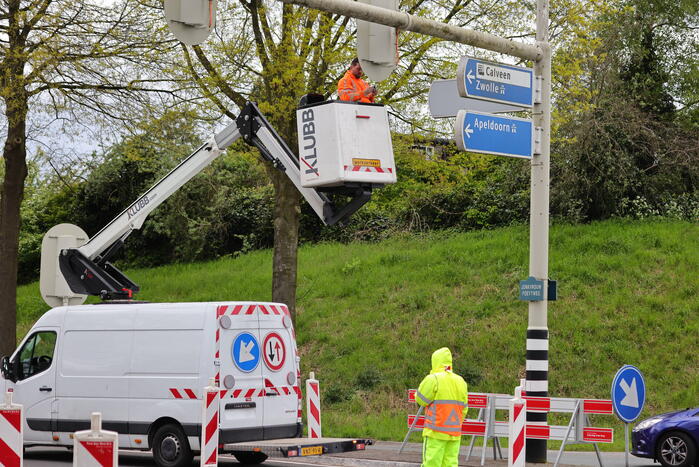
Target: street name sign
[
  {"x": 628, "y": 393},
  {"x": 492, "y": 134},
  {"x": 531, "y": 290},
  {"x": 444, "y": 101},
  {"x": 495, "y": 82}
]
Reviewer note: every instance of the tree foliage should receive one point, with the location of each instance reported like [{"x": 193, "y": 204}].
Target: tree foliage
[
  {"x": 625, "y": 141},
  {"x": 56, "y": 57},
  {"x": 624, "y": 120}
]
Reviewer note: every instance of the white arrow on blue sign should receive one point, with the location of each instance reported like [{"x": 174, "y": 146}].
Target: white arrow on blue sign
[
  {"x": 495, "y": 82},
  {"x": 492, "y": 134},
  {"x": 245, "y": 352},
  {"x": 628, "y": 393}
]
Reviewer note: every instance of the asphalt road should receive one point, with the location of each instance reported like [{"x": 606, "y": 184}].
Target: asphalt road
[{"x": 54, "y": 457}]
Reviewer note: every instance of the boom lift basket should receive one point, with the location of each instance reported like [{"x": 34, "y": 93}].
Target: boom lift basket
[{"x": 343, "y": 144}]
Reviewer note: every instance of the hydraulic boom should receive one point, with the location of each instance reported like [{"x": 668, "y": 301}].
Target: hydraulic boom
[{"x": 87, "y": 269}]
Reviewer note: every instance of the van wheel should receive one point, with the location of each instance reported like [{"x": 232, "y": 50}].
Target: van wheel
[
  {"x": 251, "y": 458},
  {"x": 171, "y": 448}
]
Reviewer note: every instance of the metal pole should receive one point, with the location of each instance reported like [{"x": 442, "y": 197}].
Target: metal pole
[
  {"x": 410, "y": 430},
  {"x": 537, "y": 329},
  {"x": 407, "y": 22},
  {"x": 473, "y": 437},
  {"x": 626, "y": 443},
  {"x": 599, "y": 456},
  {"x": 490, "y": 408},
  {"x": 570, "y": 427}
]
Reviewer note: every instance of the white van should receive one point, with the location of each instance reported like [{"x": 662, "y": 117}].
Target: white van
[{"x": 144, "y": 367}]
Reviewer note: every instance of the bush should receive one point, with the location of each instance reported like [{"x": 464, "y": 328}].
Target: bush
[{"x": 368, "y": 378}]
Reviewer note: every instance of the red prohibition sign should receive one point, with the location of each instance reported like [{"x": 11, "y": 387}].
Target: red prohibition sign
[{"x": 274, "y": 351}]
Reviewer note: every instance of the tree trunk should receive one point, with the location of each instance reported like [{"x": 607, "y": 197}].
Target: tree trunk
[
  {"x": 11, "y": 193},
  {"x": 286, "y": 239}
]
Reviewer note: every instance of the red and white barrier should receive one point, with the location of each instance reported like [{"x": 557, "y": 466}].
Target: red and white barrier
[
  {"x": 11, "y": 433},
  {"x": 313, "y": 407},
  {"x": 518, "y": 416},
  {"x": 536, "y": 404},
  {"x": 577, "y": 431},
  {"x": 95, "y": 447},
  {"x": 209, "y": 425}
]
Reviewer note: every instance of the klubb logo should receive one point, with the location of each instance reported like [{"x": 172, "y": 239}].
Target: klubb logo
[
  {"x": 309, "y": 155},
  {"x": 137, "y": 206}
]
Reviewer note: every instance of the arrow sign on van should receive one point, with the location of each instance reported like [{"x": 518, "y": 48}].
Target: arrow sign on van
[
  {"x": 495, "y": 82},
  {"x": 246, "y": 352},
  {"x": 277, "y": 352}
]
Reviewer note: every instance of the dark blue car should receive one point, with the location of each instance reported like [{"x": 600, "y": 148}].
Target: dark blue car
[{"x": 671, "y": 438}]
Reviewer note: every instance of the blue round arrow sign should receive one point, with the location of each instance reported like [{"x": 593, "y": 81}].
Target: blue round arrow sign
[
  {"x": 246, "y": 352},
  {"x": 628, "y": 393}
]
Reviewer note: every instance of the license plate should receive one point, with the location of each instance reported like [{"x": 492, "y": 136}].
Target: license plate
[{"x": 312, "y": 451}]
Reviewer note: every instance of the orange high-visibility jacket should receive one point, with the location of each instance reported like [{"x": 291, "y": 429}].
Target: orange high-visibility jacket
[
  {"x": 352, "y": 89},
  {"x": 444, "y": 395}
]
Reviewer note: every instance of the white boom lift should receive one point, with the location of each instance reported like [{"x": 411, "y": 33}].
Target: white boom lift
[{"x": 85, "y": 266}]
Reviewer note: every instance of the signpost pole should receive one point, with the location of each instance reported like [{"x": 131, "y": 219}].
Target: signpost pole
[
  {"x": 628, "y": 399},
  {"x": 626, "y": 444},
  {"x": 537, "y": 329}
]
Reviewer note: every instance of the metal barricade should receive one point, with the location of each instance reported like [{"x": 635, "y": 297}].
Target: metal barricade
[{"x": 486, "y": 425}]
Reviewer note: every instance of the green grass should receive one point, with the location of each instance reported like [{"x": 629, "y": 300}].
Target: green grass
[{"x": 370, "y": 314}]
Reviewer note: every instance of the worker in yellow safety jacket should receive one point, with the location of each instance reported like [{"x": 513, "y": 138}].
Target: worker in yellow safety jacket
[{"x": 444, "y": 394}]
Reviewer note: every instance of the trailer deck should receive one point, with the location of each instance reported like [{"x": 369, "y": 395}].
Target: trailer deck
[{"x": 297, "y": 447}]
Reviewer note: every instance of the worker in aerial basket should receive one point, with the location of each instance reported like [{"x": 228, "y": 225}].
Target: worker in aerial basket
[
  {"x": 353, "y": 88},
  {"x": 444, "y": 394}
]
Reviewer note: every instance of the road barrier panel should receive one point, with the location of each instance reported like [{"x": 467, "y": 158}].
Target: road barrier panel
[
  {"x": 488, "y": 427},
  {"x": 313, "y": 406},
  {"x": 11, "y": 433},
  {"x": 95, "y": 447},
  {"x": 209, "y": 425},
  {"x": 518, "y": 416}
]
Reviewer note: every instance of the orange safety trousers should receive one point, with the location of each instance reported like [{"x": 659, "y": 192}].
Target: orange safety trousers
[{"x": 445, "y": 416}]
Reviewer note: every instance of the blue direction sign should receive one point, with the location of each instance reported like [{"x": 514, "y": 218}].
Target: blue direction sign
[
  {"x": 628, "y": 393},
  {"x": 491, "y": 134},
  {"x": 496, "y": 82},
  {"x": 246, "y": 352}
]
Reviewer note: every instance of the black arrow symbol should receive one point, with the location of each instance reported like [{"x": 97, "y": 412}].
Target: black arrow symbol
[{"x": 271, "y": 351}]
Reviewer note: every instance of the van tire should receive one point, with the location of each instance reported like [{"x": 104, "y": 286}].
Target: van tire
[
  {"x": 171, "y": 447},
  {"x": 250, "y": 458}
]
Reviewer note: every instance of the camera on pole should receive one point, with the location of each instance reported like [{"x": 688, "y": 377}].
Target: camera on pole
[
  {"x": 377, "y": 45},
  {"x": 191, "y": 21}
]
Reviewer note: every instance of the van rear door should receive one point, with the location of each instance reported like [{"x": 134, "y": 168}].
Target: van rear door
[
  {"x": 240, "y": 373},
  {"x": 279, "y": 372}
]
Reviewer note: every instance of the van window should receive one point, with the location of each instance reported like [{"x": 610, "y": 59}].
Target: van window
[{"x": 36, "y": 354}]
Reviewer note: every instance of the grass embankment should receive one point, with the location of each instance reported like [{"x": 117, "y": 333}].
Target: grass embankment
[{"x": 370, "y": 315}]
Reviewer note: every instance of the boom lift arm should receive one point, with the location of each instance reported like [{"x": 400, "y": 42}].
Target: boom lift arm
[{"x": 87, "y": 269}]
